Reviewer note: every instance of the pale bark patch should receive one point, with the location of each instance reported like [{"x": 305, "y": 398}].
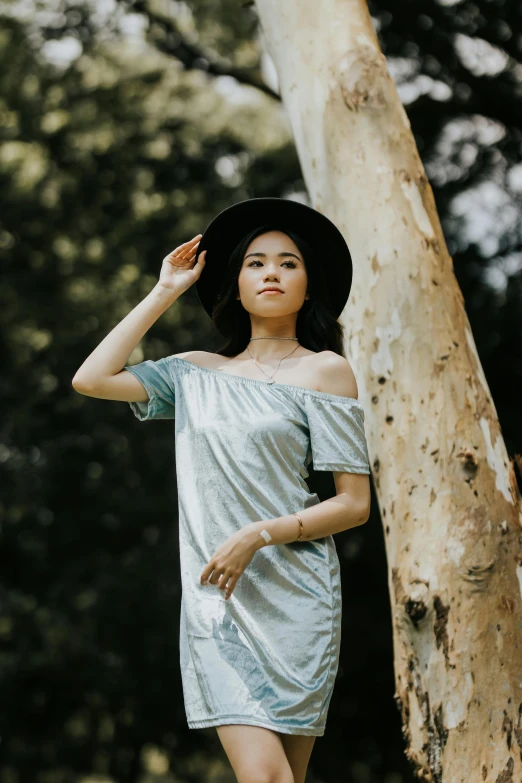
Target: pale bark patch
[
  {"x": 419, "y": 212},
  {"x": 478, "y": 367},
  {"x": 456, "y": 708},
  {"x": 382, "y": 361},
  {"x": 519, "y": 577},
  {"x": 496, "y": 457}
]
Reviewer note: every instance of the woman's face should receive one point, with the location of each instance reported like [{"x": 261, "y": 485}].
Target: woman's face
[{"x": 272, "y": 259}]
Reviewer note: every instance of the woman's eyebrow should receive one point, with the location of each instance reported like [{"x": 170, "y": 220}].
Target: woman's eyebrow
[{"x": 284, "y": 253}]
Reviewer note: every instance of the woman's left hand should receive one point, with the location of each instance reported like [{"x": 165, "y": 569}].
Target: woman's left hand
[{"x": 230, "y": 560}]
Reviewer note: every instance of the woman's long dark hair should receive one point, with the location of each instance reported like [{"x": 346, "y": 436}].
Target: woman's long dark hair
[{"x": 317, "y": 327}]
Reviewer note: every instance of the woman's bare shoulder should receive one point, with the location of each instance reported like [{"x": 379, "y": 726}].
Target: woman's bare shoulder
[
  {"x": 335, "y": 374},
  {"x": 201, "y": 358},
  {"x": 324, "y": 371}
]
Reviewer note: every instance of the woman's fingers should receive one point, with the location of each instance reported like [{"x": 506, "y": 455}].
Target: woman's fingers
[
  {"x": 231, "y": 584},
  {"x": 189, "y": 246},
  {"x": 221, "y": 582},
  {"x": 186, "y": 248},
  {"x": 215, "y": 575},
  {"x": 227, "y": 582},
  {"x": 209, "y": 574},
  {"x": 179, "y": 260},
  {"x": 192, "y": 241},
  {"x": 188, "y": 254},
  {"x": 192, "y": 255}
]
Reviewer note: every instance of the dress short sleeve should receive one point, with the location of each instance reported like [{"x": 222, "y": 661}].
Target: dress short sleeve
[
  {"x": 156, "y": 378},
  {"x": 337, "y": 437}
]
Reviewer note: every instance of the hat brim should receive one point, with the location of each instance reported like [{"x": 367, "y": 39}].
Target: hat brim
[{"x": 226, "y": 230}]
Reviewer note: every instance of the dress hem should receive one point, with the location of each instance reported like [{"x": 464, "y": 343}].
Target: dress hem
[{"x": 317, "y": 731}]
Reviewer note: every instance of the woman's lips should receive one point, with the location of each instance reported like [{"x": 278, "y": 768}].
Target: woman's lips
[{"x": 271, "y": 291}]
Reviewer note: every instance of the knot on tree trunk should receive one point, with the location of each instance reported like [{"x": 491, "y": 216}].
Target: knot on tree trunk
[
  {"x": 364, "y": 78},
  {"x": 469, "y": 461}
]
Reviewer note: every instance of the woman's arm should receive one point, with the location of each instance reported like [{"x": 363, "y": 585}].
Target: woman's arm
[
  {"x": 102, "y": 375},
  {"x": 351, "y": 505},
  {"x": 341, "y": 512}
]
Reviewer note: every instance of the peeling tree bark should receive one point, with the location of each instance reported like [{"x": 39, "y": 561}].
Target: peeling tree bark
[{"x": 447, "y": 490}]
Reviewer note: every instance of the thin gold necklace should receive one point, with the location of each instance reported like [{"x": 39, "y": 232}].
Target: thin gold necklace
[{"x": 270, "y": 377}]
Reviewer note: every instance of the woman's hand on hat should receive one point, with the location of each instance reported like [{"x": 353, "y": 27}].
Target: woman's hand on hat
[{"x": 178, "y": 271}]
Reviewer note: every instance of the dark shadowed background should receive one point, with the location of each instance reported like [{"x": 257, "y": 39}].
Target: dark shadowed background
[{"x": 125, "y": 128}]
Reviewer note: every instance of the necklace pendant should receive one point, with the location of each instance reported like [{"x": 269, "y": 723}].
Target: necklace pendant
[{"x": 270, "y": 381}]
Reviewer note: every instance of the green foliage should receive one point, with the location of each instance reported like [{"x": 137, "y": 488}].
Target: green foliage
[
  {"x": 104, "y": 168},
  {"x": 107, "y": 164}
]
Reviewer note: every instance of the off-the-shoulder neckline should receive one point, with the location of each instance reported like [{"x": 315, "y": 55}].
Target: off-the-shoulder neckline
[{"x": 256, "y": 382}]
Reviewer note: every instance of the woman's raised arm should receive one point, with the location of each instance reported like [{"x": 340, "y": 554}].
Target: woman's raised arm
[{"x": 101, "y": 374}]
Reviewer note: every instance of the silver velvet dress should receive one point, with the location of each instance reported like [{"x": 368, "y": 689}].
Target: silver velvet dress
[{"x": 268, "y": 656}]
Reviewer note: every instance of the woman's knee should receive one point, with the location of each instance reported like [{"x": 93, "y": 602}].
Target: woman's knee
[
  {"x": 256, "y": 754},
  {"x": 266, "y": 774}
]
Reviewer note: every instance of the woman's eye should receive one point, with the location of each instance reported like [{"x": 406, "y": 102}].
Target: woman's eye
[{"x": 292, "y": 263}]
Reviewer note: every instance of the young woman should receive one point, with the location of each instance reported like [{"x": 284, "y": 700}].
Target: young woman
[{"x": 261, "y": 591}]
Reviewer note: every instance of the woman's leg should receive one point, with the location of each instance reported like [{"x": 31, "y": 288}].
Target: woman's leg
[
  {"x": 256, "y": 754},
  {"x": 298, "y": 749}
]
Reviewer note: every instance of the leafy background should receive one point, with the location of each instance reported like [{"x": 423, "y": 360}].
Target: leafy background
[{"x": 125, "y": 127}]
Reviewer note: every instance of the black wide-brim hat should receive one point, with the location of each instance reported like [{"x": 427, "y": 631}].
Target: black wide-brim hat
[{"x": 227, "y": 229}]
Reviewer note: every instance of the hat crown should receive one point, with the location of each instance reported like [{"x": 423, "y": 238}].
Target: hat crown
[{"x": 232, "y": 224}]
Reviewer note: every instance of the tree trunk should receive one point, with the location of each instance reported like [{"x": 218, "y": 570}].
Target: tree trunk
[{"x": 447, "y": 490}]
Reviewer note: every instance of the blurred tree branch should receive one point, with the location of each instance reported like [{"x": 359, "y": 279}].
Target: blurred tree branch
[{"x": 167, "y": 37}]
